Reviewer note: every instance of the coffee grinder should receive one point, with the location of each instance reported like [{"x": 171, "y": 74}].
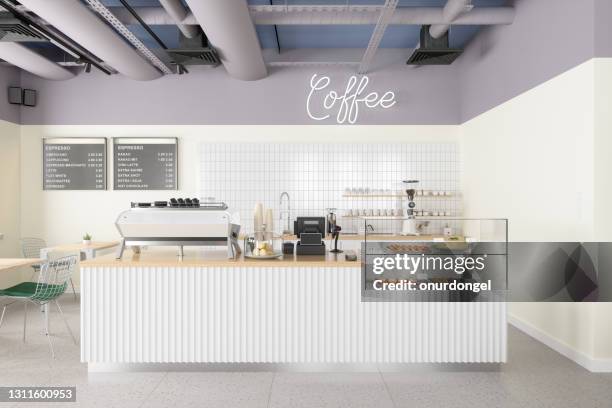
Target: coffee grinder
[
  {"x": 333, "y": 229},
  {"x": 409, "y": 226}
]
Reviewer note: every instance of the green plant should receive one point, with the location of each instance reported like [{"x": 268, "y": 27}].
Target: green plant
[{"x": 87, "y": 237}]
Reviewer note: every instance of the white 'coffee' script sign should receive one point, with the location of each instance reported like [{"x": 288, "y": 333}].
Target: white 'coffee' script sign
[{"x": 348, "y": 103}]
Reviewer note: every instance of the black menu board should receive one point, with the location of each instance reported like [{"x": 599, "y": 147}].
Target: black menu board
[
  {"x": 72, "y": 163},
  {"x": 145, "y": 163}
]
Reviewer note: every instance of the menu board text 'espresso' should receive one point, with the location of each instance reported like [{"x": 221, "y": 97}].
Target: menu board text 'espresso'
[{"x": 145, "y": 163}]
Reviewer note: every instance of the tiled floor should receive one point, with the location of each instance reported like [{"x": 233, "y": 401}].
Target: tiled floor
[{"x": 534, "y": 377}]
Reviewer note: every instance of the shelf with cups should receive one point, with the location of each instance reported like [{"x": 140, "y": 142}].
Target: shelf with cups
[
  {"x": 450, "y": 195},
  {"x": 399, "y": 217},
  {"x": 424, "y": 194}
]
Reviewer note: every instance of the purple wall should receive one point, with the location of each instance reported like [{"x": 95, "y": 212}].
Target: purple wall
[
  {"x": 547, "y": 38},
  {"x": 8, "y": 77},
  {"x": 603, "y": 28},
  {"x": 210, "y": 96}
]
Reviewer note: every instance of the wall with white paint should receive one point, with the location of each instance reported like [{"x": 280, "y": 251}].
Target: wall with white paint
[
  {"x": 10, "y": 196},
  {"x": 542, "y": 160}
]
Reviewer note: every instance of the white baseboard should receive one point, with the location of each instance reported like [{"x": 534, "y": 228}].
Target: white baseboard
[{"x": 595, "y": 365}]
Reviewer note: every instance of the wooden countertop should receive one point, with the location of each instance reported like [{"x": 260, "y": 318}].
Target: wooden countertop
[
  {"x": 10, "y": 263},
  {"x": 193, "y": 257}
]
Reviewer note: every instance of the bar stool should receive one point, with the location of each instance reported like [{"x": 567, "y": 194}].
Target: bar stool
[
  {"x": 30, "y": 248},
  {"x": 52, "y": 283}
]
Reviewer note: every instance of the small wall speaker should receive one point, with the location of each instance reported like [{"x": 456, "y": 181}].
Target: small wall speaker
[
  {"x": 29, "y": 97},
  {"x": 15, "y": 96}
]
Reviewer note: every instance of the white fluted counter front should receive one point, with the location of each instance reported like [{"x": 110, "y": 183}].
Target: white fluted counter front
[{"x": 154, "y": 308}]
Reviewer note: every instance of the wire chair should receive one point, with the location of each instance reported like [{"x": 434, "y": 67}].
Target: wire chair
[
  {"x": 30, "y": 248},
  {"x": 52, "y": 283}
]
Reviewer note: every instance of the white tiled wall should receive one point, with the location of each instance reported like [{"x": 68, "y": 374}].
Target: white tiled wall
[{"x": 316, "y": 177}]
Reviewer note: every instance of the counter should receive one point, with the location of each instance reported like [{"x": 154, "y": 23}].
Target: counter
[
  {"x": 152, "y": 309},
  {"x": 194, "y": 258}
]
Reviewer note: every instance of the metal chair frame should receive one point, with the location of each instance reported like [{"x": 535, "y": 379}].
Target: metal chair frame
[
  {"x": 30, "y": 248},
  {"x": 52, "y": 283}
]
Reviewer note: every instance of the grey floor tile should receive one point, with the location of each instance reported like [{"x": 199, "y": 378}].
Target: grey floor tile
[
  {"x": 534, "y": 377},
  {"x": 212, "y": 389},
  {"x": 319, "y": 390}
]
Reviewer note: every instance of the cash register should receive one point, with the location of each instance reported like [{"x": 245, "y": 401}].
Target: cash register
[{"x": 310, "y": 232}]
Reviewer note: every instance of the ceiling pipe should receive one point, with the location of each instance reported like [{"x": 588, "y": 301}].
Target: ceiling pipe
[
  {"x": 331, "y": 15},
  {"x": 177, "y": 12},
  {"x": 75, "y": 20},
  {"x": 452, "y": 10},
  {"x": 28, "y": 60},
  {"x": 229, "y": 28}
]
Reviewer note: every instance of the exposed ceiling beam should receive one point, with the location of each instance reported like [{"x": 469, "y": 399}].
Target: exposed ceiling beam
[
  {"x": 332, "y": 15},
  {"x": 377, "y": 35},
  {"x": 452, "y": 10},
  {"x": 111, "y": 19}
]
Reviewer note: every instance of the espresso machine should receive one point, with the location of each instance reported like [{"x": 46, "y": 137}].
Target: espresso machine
[{"x": 409, "y": 226}]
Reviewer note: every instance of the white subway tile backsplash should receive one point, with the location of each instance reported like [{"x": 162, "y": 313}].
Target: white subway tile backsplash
[{"x": 316, "y": 177}]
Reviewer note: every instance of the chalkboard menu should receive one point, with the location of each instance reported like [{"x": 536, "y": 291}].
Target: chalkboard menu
[
  {"x": 145, "y": 163},
  {"x": 72, "y": 163}
]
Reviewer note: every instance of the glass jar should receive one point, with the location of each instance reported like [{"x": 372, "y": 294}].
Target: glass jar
[{"x": 263, "y": 245}]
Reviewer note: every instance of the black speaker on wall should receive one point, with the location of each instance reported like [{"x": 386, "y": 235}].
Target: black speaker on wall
[
  {"x": 15, "y": 96},
  {"x": 29, "y": 97}
]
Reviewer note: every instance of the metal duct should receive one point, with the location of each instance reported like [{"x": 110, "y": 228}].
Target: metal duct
[
  {"x": 229, "y": 28},
  {"x": 177, "y": 12},
  {"x": 452, "y": 10},
  {"x": 30, "y": 61},
  {"x": 76, "y": 21}
]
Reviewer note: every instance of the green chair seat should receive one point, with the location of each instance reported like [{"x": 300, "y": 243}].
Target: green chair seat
[{"x": 27, "y": 289}]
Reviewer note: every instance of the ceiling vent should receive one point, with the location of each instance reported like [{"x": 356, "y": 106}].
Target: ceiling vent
[
  {"x": 194, "y": 51},
  {"x": 15, "y": 30},
  {"x": 433, "y": 51}
]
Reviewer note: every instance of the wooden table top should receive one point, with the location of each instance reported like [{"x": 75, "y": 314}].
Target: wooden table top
[
  {"x": 10, "y": 263},
  {"x": 77, "y": 247}
]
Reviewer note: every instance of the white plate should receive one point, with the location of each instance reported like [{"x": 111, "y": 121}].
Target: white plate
[{"x": 278, "y": 255}]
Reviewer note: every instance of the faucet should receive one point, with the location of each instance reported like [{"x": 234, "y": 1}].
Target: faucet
[{"x": 287, "y": 211}]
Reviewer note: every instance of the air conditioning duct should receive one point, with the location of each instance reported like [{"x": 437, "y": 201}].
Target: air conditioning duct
[
  {"x": 30, "y": 61},
  {"x": 194, "y": 51},
  {"x": 177, "y": 12},
  {"x": 433, "y": 51},
  {"x": 229, "y": 28},
  {"x": 76, "y": 21},
  {"x": 14, "y": 30}
]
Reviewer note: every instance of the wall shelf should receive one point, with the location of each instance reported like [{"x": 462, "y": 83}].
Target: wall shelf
[
  {"x": 403, "y": 196},
  {"x": 395, "y": 217}
]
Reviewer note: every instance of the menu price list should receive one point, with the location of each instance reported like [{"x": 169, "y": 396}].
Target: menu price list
[
  {"x": 74, "y": 165},
  {"x": 145, "y": 165}
]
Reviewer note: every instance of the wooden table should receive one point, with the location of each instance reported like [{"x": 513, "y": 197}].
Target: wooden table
[
  {"x": 11, "y": 263},
  {"x": 87, "y": 251}
]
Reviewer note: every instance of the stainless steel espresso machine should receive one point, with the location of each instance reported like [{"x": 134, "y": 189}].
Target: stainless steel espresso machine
[{"x": 178, "y": 223}]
